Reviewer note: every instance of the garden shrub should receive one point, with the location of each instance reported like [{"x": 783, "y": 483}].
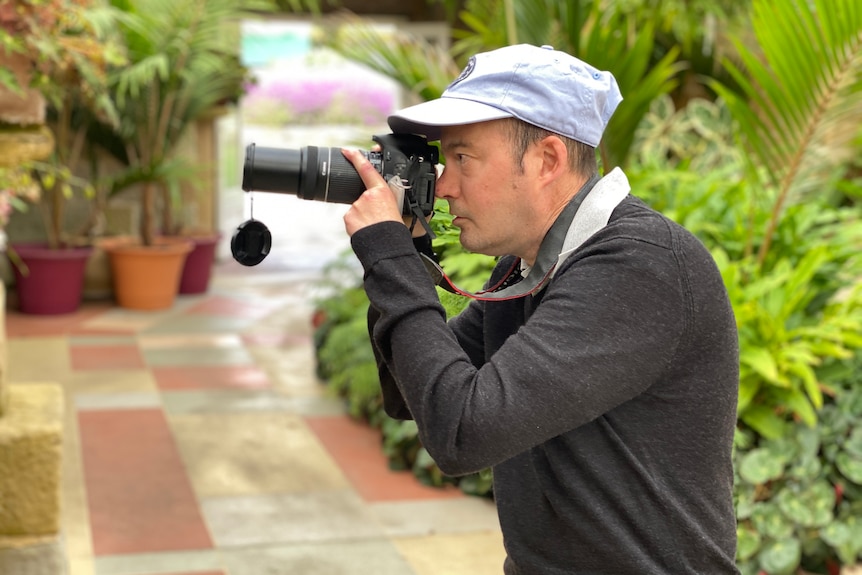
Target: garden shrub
[{"x": 799, "y": 497}]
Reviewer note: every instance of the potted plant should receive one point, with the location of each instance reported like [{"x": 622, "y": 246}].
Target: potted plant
[
  {"x": 182, "y": 64},
  {"x": 60, "y": 53}
]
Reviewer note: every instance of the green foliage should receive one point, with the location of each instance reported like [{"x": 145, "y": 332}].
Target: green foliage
[
  {"x": 799, "y": 497},
  {"x": 801, "y": 97},
  {"x": 700, "y": 135},
  {"x": 71, "y": 45},
  {"x": 182, "y": 62},
  {"x": 421, "y": 67},
  {"x": 797, "y": 310}
]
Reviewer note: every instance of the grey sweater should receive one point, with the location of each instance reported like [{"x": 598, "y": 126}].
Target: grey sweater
[{"x": 605, "y": 404}]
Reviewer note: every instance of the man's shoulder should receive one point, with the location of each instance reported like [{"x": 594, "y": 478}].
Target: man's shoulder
[{"x": 634, "y": 219}]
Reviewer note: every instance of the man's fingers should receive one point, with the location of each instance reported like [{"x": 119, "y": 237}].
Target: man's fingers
[{"x": 370, "y": 176}]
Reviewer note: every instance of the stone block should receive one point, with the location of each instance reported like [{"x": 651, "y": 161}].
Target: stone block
[
  {"x": 31, "y": 436},
  {"x": 32, "y": 556}
]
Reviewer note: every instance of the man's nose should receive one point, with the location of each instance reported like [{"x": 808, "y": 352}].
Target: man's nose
[{"x": 444, "y": 188}]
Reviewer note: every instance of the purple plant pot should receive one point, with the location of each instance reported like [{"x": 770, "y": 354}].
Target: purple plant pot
[
  {"x": 199, "y": 264},
  {"x": 53, "y": 281}
]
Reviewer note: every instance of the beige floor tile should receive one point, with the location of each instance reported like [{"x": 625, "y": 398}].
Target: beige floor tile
[
  {"x": 109, "y": 381},
  {"x": 294, "y": 319},
  {"x": 253, "y": 453},
  {"x": 461, "y": 554},
  {"x": 413, "y": 518},
  {"x": 205, "y": 560},
  {"x": 189, "y": 340},
  {"x": 337, "y": 515},
  {"x": 368, "y": 557},
  {"x": 292, "y": 370},
  {"x": 75, "y": 517},
  {"x": 38, "y": 359},
  {"x": 81, "y": 566},
  {"x": 130, "y": 320}
]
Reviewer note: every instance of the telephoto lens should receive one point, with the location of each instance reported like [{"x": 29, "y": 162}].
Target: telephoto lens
[
  {"x": 325, "y": 175},
  {"x": 311, "y": 173}
]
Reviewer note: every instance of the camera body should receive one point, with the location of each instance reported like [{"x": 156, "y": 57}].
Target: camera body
[{"x": 324, "y": 174}]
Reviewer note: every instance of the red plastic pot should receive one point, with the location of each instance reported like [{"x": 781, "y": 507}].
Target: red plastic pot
[
  {"x": 199, "y": 264},
  {"x": 52, "y": 280}
]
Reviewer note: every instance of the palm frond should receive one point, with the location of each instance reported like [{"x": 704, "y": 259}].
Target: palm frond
[
  {"x": 801, "y": 95},
  {"x": 421, "y": 67}
]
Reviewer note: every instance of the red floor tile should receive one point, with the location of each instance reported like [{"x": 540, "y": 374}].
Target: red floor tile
[
  {"x": 140, "y": 498},
  {"x": 106, "y": 357},
  {"x": 215, "y": 377},
  {"x": 26, "y": 325},
  {"x": 357, "y": 450}
]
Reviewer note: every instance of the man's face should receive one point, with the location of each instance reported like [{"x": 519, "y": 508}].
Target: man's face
[{"x": 487, "y": 192}]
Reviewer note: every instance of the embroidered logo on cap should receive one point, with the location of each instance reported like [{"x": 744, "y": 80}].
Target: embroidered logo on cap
[{"x": 468, "y": 69}]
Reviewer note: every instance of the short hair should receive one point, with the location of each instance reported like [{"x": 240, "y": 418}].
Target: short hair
[{"x": 582, "y": 157}]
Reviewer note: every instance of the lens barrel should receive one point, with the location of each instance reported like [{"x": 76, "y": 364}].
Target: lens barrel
[
  {"x": 310, "y": 173},
  {"x": 271, "y": 169}
]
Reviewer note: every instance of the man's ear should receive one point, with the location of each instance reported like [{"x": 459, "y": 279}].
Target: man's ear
[{"x": 552, "y": 157}]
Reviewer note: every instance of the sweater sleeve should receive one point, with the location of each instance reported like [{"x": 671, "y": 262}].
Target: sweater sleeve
[{"x": 606, "y": 328}]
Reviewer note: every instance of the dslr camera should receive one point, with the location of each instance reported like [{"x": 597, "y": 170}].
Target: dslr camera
[
  {"x": 407, "y": 162},
  {"x": 324, "y": 174}
]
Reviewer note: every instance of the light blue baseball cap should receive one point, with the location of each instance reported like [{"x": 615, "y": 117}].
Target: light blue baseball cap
[{"x": 539, "y": 85}]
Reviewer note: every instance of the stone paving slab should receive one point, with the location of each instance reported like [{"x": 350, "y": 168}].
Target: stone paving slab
[{"x": 199, "y": 441}]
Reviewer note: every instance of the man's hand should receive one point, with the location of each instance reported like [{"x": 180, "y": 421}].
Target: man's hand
[{"x": 377, "y": 204}]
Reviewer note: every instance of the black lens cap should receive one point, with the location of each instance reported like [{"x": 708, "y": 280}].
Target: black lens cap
[{"x": 250, "y": 243}]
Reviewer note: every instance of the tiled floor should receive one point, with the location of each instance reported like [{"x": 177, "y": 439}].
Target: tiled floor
[{"x": 198, "y": 441}]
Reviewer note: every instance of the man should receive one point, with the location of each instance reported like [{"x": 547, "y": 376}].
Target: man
[{"x": 598, "y": 373}]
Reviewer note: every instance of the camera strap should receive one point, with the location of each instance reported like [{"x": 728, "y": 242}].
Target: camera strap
[
  {"x": 405, "y": 193},
  {"x": 587, "y": 213}
]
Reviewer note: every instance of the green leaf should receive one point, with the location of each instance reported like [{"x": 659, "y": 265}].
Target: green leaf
[
  {"x": 768, "y": 519},
  {"x": 765, "y": 421},
  {"x": 809, "y": 508},
  {"x": 781, "y": 557},
  {"x": 748, "y": 389},
  {"x": 845, "y": 537},
  {"x": 761, "y": 465},
  {"x": 744, "y": 500},
  {"x": 853, "y": 445},
  {"x": 800, "y": 405},
  {"x": 747, "y": 543},
  {"x": 850, "y": 467},
  {"x": 835, "y": 534},
  {"x": 761, "y": 361}
]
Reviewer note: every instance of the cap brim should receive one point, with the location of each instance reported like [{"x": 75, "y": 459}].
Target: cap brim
[{"x": 428, "y": 118}]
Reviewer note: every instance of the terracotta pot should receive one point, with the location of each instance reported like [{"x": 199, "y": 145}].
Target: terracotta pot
[
  {"x": 199, "y": 263},
  {"x": 54, "y": 279},
  {"x": 148, "y": 277}
]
